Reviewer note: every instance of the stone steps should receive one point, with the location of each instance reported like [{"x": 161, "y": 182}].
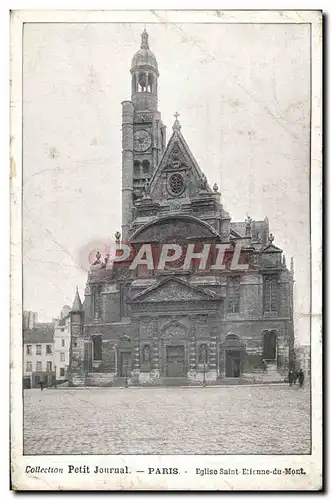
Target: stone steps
[
  {"x": 173, "y": 381},
  {"x": 99, "y": 379}
]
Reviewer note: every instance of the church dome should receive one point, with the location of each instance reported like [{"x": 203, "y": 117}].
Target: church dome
[{"x": 144, "y": 56}]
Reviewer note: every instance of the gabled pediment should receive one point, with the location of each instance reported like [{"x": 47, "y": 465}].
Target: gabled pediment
[
  {"x": 271, "y": 249},
  {"x": 173, "y": 289},
  {"x": 177, "y": 159}
]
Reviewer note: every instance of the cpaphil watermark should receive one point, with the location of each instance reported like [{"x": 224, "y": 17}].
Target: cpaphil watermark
[{"x": 166, "y": 256}]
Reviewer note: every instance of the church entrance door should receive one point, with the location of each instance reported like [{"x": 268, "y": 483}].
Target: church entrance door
[
  {"x": 124, "y": 363},
  {"x": 270, "y": 345},
  {"x": 175, "y": 361},
  {"x": 233, "y": 364}
]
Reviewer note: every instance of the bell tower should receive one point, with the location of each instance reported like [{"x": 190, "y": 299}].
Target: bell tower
[{"x": 143, "y": 133}]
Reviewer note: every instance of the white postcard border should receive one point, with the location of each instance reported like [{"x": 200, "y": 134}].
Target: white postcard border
[{"x": 188, "y": 479}]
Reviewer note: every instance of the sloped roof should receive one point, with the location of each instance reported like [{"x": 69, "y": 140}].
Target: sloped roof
[
  {"x": 271, "y": 249},
  {"x": 144, "y": 56},
  {"x": 62, "y": 321},
  {"x": 41, "y": 333},
  {"x": 77, "y": 304},
  {"x": 176, "y": 137},
  {"x": 196, "y": 290}
]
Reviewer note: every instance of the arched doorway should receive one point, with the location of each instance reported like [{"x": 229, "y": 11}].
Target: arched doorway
[
  {"x": 270, "y": 345},
  {"x": 174, "y": 352},
  {"x": 97, "y": 348},
  {"x": 124, "y": 354},
  {"x": 231, "y": 356}
]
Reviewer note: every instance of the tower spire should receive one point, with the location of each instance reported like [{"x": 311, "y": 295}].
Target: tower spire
[{"x": 77, "y": 304}]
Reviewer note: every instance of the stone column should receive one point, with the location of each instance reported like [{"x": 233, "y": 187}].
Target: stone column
[
  {"x": 212, "y": 373},
  {"x": 155, "y": 374},
  {"x": 136, "y": 363},
  {"x": 192, "y": 359},
  {"x": 127, "y": 166}
]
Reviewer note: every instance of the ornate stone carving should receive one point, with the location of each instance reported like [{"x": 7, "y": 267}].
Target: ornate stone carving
[
  {"x": 203, "y": 354},
  {"x": 174, "y": 329},
  {"x": 202, "y": 330},
  {"x": 202, "y": 318},
  {"x": 146, "y": 330},
  {"x": 172, "y": 291},
  {"x": 177, "y": 229}
]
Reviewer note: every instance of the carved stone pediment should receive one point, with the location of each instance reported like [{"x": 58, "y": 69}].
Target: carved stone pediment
[
  {"x": 173, "y": 289},
  {"x": 173, "y": 329},
  {"x": 176, "y": 227}
]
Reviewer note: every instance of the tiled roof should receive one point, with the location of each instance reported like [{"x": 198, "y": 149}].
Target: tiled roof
[{"x": 41, "y": 333}]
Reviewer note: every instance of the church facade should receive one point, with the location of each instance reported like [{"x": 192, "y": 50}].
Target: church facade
[{"x": 186, "y": 324}]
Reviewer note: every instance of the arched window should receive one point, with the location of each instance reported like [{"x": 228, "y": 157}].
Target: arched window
[
  {"x": 134, "y": 84},
  {"x": 146, "y": 166},
  {"x": 270, "y": 295},
  {"x": 150, "y": 83},
  {"x": 233, "y": 294},
  {"x": 97, "y": 346},
  {"x": 142, "y": 80},
  {"x": 137, "y": 167},
  {"x": 96, "y": 302}
]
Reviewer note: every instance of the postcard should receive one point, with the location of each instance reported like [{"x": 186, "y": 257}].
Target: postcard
[{"x": 166, "y": 192}]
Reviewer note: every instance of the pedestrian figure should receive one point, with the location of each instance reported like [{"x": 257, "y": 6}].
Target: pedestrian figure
[
  {"x": 301, "y": 377},
  {"x": 290, "y": 378},
  {"x": 41, "y": 385}
]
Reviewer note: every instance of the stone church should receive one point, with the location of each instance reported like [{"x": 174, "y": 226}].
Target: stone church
[{"x": 174, "y": 325}]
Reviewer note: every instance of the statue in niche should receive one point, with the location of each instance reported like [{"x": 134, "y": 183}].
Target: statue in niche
[
  {"x": 146, "y": 354},
  {"x": 203, "y": 185},
  {"x": 248, "y": 227},
  {"x": 202, "y": 359},
  {"x": 146, "y": 189}
]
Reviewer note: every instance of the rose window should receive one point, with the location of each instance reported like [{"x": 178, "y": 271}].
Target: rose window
[{"x": 176, "y": 184}]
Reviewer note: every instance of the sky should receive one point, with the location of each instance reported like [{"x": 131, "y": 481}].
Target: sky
[{"x": 243, "y": 95}]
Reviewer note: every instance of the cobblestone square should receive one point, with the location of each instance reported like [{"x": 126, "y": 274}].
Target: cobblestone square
[{"x": 218, "y": 420}]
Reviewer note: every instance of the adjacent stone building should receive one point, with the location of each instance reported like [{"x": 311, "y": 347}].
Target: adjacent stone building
[
  {"x": 38, "y": 351},
  {"x": 62, "y": 345},
  {"x": 177, "y": 324}
]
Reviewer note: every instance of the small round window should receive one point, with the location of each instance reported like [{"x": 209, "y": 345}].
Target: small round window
[{"x": 176, "y": 184}]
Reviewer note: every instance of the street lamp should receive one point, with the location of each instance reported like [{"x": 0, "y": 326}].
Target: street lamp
[
  {"x": 204, "y": 379},
  {"x": 126, "y": 373},
  {"x": 204, "y": 370}
]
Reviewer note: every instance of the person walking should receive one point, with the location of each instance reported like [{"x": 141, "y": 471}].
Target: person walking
[
  {"x": 301, "y": 377},
  {"x": 290, "y": 378}
]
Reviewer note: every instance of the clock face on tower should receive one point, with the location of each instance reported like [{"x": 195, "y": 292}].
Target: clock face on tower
[{"x": 142, "y": 140}]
